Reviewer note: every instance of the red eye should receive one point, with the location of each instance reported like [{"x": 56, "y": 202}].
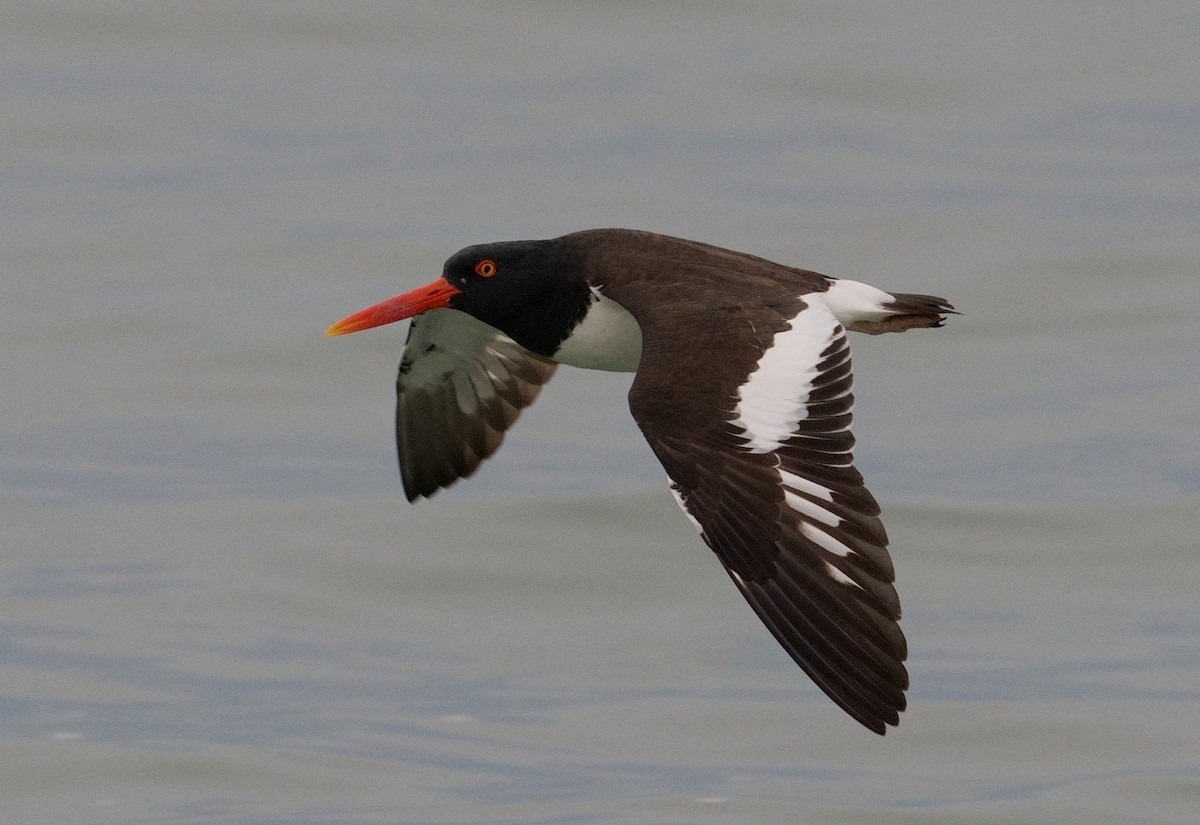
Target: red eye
[{"x": 485, "y": 268}]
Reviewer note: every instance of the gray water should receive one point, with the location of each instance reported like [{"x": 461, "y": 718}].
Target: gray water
[{"x": 215, "y": 605}]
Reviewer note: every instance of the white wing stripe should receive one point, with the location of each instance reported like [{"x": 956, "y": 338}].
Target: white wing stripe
[
  {"x": 682, "y": 506},
  {"x": 810, "y": 509},
  {"x": 771, "y": 403},
  {"x": 822, "y": 539},
  {"x": 803, "y": 485},
  {"x": 840, "y": 577}
]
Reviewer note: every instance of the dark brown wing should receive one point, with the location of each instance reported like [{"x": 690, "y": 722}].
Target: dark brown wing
[
  {"x": 759, "y": 454},
  {"x": 461, "y": 385}
]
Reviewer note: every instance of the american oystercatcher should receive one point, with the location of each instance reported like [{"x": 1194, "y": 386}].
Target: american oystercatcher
[{"x": 743, "y": 390}]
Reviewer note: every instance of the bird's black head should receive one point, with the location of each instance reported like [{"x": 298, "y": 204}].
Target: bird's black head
[
  {"x": 533, "y": 291},
  {"x": 498, "y": 280}
]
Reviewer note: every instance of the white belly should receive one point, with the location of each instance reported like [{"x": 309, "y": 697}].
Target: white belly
[{"x": 608, "y": 338}]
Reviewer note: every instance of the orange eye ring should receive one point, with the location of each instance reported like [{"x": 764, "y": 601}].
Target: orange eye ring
[{"x": 485, "y": 268}]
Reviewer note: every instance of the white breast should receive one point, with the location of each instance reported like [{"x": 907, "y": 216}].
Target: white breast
[{"x": 608, "y": 338}]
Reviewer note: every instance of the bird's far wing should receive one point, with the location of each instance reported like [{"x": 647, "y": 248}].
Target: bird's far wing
[
  {"x": 461, "y": 385},
  {"x": 765, "y": 472}
]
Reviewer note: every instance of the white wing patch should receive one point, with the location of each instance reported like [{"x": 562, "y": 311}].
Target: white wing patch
[
  {"x": 840, "y": 577},
  {"x": 772, "y": 401},
  {"x": 822, "y": 539},
  {"x": 793, "y": 485},
  {"x": 803, "y": 485},
  {"x": 810, "y": 509}
]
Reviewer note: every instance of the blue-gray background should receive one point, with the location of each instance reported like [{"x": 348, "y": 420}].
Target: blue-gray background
[{"x": 216, "y": 606}]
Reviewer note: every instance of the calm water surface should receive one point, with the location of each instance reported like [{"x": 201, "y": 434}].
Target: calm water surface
[{"x": 217, "y": 608}]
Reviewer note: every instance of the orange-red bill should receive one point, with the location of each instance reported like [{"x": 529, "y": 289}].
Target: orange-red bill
[{"x": 422, "y": 299}]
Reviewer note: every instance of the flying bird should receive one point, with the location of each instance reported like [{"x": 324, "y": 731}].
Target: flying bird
[{"x": 742, "y": 388}]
